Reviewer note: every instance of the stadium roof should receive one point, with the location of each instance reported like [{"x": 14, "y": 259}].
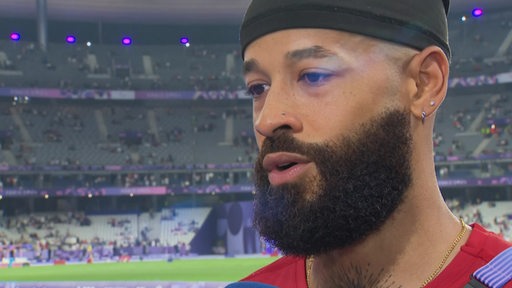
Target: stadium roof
[{"x": 170, "y": 11}]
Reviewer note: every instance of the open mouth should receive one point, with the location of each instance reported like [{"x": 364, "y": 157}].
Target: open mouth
[
  {"x": 286, "y": 166},
  {"x": 283, "y": 167},
  {"x": 282, "y": 161}
]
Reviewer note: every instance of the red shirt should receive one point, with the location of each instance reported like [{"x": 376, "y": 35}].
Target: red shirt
[{"x": 481, "y": 247}]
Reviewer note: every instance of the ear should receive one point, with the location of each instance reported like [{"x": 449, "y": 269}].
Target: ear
[{"x": 429, "y": 69}]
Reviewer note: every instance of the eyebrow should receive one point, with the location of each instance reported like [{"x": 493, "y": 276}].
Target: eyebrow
[
  {"x": 313, "y": 52},
  {"x": 251, "y": 66}
]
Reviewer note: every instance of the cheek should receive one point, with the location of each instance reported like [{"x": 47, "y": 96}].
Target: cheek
[
  {"x": 371, "y": 97},
  {"x": 339, "y": 113},
  {"x": 346, "y": 109}
]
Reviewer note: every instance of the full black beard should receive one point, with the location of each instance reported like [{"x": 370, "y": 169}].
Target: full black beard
[{"x": 361, "y": 181}]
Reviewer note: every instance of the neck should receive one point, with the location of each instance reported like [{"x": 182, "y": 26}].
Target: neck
[{"x": 421, "y": 228}]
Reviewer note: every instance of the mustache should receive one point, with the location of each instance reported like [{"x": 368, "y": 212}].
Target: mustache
[
  {"x": 283, "y": 141},
  {"x": 317, "y": 152}
]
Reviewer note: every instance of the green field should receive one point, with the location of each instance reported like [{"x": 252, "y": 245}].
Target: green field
[{"x": 229, "y": 269}]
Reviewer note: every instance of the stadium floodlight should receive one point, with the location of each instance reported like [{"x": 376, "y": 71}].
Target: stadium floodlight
[
  {"x": 127, "y": 41},
  {"x": 185, "y": 41},
  {"x": 15, "y": 36},
  {"x": 463, "y": 18},
  {"x": 71, "y": 39},
  {"x": 477, "y": 12},
  {"x": 88, "y": 43}
]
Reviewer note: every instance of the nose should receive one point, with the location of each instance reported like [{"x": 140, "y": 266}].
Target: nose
[{"x": 277, "y": 113}]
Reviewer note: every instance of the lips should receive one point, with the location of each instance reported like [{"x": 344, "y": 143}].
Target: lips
[{"x": 285, "y": 167}]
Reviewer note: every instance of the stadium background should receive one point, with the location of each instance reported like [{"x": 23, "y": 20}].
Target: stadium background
[{"x": 144, "y": 151}]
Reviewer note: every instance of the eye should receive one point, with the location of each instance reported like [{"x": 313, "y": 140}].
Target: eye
[
  {"x": 315, "y": 78},
  {"x": 256, "y": 90}
]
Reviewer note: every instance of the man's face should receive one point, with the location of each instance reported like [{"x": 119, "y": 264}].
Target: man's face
[{"x": 334, "y": 143}]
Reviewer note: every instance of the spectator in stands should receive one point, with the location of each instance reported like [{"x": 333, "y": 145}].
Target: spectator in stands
[
  {"x": 90, "y": 253},
  {"x": 49, "y": 251},
  {"x": 37, "y": 250},
  {"x": 345, "y": 180},
  {"x": 12, "y": 254}
]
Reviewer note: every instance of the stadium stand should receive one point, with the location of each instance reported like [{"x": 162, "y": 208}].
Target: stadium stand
[
  {"x": 92, "y": 133},
  {"x": 476, "y": 50},
  {"x": 212, "y": 67},
  {"x": 171, "y": 232}
]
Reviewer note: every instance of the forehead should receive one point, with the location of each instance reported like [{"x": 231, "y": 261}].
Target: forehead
[{"x": 284, "y": 41}]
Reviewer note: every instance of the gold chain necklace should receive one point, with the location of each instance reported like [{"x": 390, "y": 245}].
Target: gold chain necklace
[
  {"x": 447, "y": 254},
  {"x": 309, "y": 267},
  {"x": 311, "y": 259}
]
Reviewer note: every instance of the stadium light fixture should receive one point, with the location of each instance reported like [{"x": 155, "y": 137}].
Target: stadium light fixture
[
  {"x": 89, "y": 44},
  {"x": 477, "y": 12},
  {"x": 463, "y": 18},
  {"x": 71, "y": 39},
  {"x": 126, "y": 41},
  {"x": 185, "y": 41},
  {"x": 15, "y": 36}
]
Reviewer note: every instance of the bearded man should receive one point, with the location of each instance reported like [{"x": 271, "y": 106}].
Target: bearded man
[{"x": 344, "y": 98}]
